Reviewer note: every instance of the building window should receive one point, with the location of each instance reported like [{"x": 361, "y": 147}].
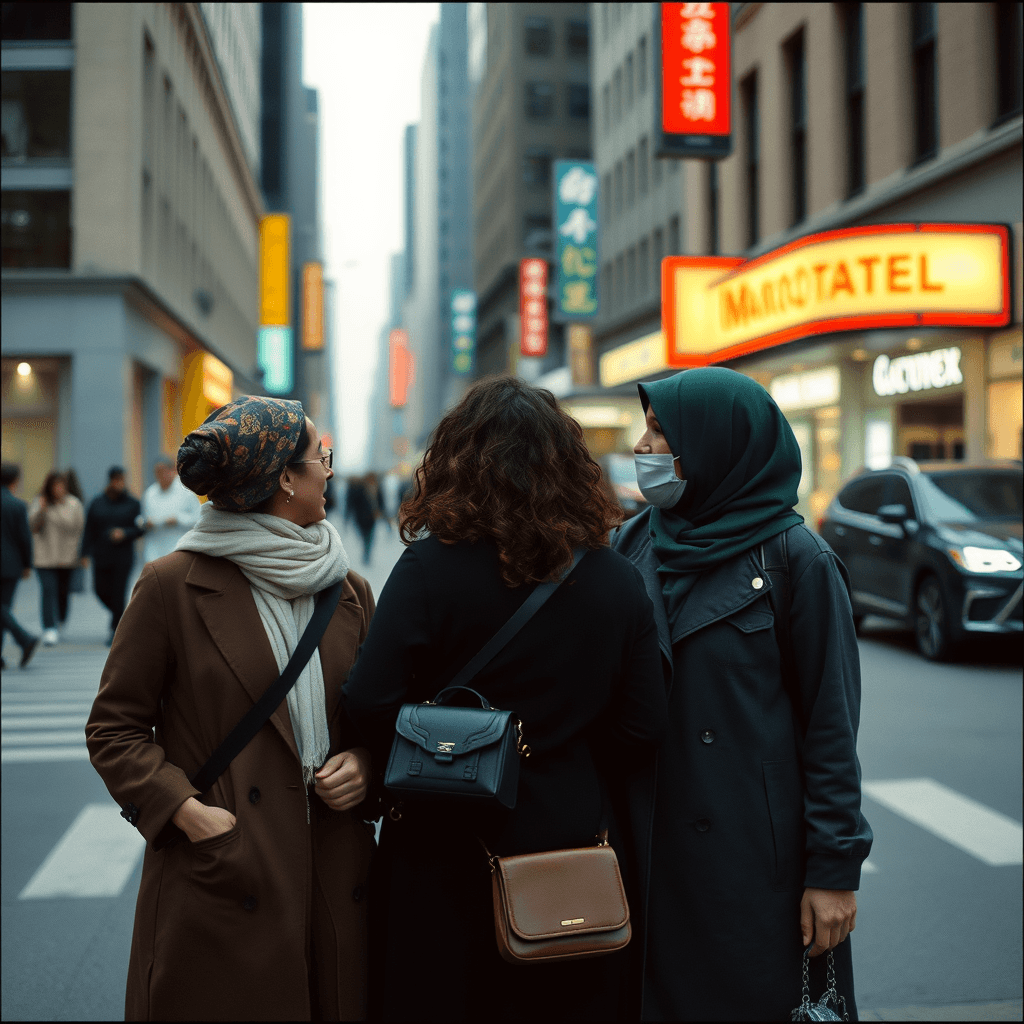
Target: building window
[
  {"x": 606, "y": 283},
  {"x": 751, "y": 131},
  {"x": 631, "y": 275},
  {"x": 629, "y": 81},
  {"x": 606, "y": 107},
  {"x": 540, "y": 100},
  {"x": 36, "y": 228},
  {"x": 1008, "y": 60},
  {"x": 606, "y": 197},
  {"x": 577, "y": 101},
  {"x": 538, "y": 36},
  {"x": 620, "y": 281},
  {"x": 645, "y": 266},
  {"x": 926, "y": 115},
  {"x": 674, "y": 248},
  {"x": 855, "y": 170},
  {"x": 656, "y": 169},
  {"x": 37, "y": 115},
  {"x": 659, "y": 253},
  {"x": 617, "y": 87},
  {"x": 34, "y": 22},
  {"x": 713, "y": 230},
  {"x": 630, "y": 178},
  {"x": 537, "y": 231},
  {"x": 643, "y": 160},
  {"x": 577, "y": 39},
  {"x": 798, "y": 125},
  {"x": 618, "y": 188},
  {"x": 641, "y": 67},
  {"x": 537, "y": 167}
]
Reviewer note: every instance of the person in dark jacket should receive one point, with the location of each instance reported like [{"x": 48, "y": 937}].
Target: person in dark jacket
[
  {"x": 15, "y": 559},
  {"x": 507, "y": 491},
  {"x": 111, "y": 529},
  {"x": 362, "y": 506},
  {"x": 751, "y": 837}
]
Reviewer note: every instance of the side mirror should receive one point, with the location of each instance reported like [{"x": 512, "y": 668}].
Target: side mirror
[{"x": 896, "y": 514}]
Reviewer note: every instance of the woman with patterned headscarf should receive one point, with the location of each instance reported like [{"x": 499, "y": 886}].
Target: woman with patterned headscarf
[
  {"x": 252, "y": 904},
  {"x": 749, "y": 833}
]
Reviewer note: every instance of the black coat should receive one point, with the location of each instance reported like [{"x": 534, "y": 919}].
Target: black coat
[
  {"x": 584, "y": 676},
  {"x": 758, "y": 784},
  {"x": 15, "y": 536},
  {"x": 105, "y": 515}
]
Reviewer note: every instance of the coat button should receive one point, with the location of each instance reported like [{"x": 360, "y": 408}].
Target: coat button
[
  {"x": 359, "y": 893},
  {"x": 254, "y": 795},
  {"x": 757, "y": 583},
  {"x": 249, "y": 903},
  {"x": 702, "y": 824},
  {"x": 707, "y": 736}
]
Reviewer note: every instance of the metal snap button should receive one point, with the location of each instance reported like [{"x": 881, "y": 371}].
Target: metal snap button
[
  {"x": 707, "y": 736},
  {"x": 254, "y": 795},
  {"x": 757, "y": 583},
  {"x": 249, "y": 903},
  {"x": 702, "y": 824}
]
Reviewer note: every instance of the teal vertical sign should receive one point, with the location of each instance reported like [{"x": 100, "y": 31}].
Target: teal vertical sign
[
  {"x": 463, "y": 330},
  {"x": 576, "y": 238},
  {"x": 274, "y": 354}
]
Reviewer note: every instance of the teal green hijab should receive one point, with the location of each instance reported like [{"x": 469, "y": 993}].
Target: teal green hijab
[{"x": 741, "y": 464}]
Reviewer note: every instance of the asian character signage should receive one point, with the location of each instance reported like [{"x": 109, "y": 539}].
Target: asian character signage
[
  {"x": 533, "y": 307},
  {"x": 463, "y": 330},
  {"x": 694, "y": 109},
  {"x": 576, "y": 238}
]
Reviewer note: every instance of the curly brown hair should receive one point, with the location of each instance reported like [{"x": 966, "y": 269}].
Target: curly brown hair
[{"x": 509, "y": 465}]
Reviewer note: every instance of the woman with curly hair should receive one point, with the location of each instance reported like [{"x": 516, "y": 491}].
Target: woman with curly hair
[{"x": 506, "y": 492}]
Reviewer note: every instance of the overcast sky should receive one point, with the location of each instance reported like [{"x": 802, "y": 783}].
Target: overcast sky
[{"x": 366, "y": 61}]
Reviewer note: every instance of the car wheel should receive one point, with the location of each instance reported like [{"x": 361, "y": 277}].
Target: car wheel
[{"x": 931, "y": 625}]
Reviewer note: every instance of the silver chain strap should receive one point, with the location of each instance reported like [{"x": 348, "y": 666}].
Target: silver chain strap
[{"x": 823, "y": 1009}]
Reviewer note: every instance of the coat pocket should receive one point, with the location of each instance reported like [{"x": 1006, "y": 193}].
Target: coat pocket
[
  {"x": 783, "y": 790},
  {"x": 220, "y": 867},
  {"x": 751, "y": 619}
]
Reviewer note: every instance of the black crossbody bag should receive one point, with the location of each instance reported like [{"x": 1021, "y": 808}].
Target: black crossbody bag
[
  {"x": 258, "y": 715},
  {"x": 466, "y": 754}
]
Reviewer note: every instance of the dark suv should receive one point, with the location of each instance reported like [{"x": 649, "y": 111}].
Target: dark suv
[{"x": 936, "y": 544}]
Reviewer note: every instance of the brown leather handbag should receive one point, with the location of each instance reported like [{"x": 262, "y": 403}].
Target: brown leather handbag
[{"x": 559, "y": 905}]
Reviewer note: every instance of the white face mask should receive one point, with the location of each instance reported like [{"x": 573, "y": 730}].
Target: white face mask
[{"x": 657, "y": 480}]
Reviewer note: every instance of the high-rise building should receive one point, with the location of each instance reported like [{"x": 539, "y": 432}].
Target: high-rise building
[
  {"x": 131, "y": 211},
  {"x": 531, "y": 106},
  {"x": 388, "y": 445}
]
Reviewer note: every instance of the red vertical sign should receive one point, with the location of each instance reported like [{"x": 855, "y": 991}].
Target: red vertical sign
[
  {"x": 400, "y": 368},
  {"x": 696, "y": 76},
  {"x": 533, "y": 307}
]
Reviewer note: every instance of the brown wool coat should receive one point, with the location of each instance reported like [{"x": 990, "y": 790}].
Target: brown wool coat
[{"x": 223, "y": 927}]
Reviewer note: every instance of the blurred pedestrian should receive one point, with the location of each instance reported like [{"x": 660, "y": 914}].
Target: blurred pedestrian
[
  {"x": 390, "y": 486},
  {"x": 111, "y": 529},
  {"x": 507, "y": 492},
  {"x": 57, "y": 519},
  {"x": 169, "y": 510},
  {"x": 77, "y": 585},
  {"x": 362, "y": 501},
  {"x": 15, "y": 559},
  {"x": 749, "y": 835},
  {"x": 256, "y": 908}
]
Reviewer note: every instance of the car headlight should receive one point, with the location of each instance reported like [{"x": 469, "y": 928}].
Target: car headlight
[{"x": 984, "y": 559}]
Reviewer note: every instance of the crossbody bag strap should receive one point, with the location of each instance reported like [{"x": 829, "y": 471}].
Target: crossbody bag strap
[
  {"x": 256, "y": 717},
  {"x": 523, "y": 614}
]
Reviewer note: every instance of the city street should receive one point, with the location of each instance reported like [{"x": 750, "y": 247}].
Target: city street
[{"x": 939, "y": 926}]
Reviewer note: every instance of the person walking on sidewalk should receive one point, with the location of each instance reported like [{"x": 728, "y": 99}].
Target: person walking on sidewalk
[
  {"x": 253, "y": 898},
  {"x": 15, "y": 559},
  {"x": 169, "y": 509},
  {"x": 111, "y": 529},
  {"x": 363, "y": 507},
  {"x": 57, "y": 520}
]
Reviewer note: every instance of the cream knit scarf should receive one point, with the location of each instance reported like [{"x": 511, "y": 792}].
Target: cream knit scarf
[{"x": 286, "y": 566}]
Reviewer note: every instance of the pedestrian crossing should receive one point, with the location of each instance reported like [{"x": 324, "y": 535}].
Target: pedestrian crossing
[{"x": 39, "y": 725}]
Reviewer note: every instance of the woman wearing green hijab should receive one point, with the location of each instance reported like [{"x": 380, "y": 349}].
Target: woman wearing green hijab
[{"x": 749, "y": 833}]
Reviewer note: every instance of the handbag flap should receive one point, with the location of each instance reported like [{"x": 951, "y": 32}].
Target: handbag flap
[
  {"x": 563, "y": 892},
  {"x": 440, "y": 728}
]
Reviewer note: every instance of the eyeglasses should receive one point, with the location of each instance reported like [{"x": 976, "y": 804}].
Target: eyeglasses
[{"x": 327, "y": 461}]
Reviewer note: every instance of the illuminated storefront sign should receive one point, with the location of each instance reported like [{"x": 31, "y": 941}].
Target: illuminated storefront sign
[
  {"x": 463, "y": 330},
  {"x": 808, "y": 390},
  {"x": 694, "y": 110},
  {"x": 312, "y": 307},
  {"x": 533, "y": 307},
  {"x": 633, "y": 361},
  {"x": 886, "y": 275},
  {"x": 275, "y": 308},
  {"x": 581, "y": 355},
  {"x": 274, "y": 355},
  {"x": 923, "y": 370},
  {"x": 401, "y": 368},
  {"x": 575, "y": 195},
  {"x": 217, "y": 381}
]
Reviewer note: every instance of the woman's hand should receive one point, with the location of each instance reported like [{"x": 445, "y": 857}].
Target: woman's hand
[
  {"x": 827, "y": 916},
  {"x": 200, "y": 822},
  {"x": 343, "y": 780}
]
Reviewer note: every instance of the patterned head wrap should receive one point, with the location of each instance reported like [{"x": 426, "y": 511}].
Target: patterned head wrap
[{"x": 237, "y": 454}]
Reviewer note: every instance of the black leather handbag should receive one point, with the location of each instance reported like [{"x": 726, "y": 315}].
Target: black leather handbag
[{"x": 445, "y": 752}]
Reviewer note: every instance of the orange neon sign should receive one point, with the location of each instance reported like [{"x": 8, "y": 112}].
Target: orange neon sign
[{"x": 716, "y": 308}]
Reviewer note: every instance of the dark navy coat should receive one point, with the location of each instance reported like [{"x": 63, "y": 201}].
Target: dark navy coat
[
  {"x": 15, "y": 537},
  {"x": 757, "y": 788}
]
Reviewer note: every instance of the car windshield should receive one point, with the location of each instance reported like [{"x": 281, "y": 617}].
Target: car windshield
[{"x": 965, "y": 496}]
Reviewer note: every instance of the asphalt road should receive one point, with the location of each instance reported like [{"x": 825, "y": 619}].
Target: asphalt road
[{"x": 939, "y": 927}]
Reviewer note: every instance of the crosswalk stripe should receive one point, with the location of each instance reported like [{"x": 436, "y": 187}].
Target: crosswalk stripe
[
  {"x": 36, "y": 755},
  {"x": 95, "y": 857},
  {"x": 53, "y": 736},
  {"x": 63, "y": 707},
  {"x": 85, "y": 694},
  {"x": 992, "y": 837},
  {"x": 42, "y": 721}
]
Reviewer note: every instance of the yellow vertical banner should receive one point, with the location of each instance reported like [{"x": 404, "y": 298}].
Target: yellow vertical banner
[
  {"x": 312, "y": 306},
  {"x": 274, "y": 257}
]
